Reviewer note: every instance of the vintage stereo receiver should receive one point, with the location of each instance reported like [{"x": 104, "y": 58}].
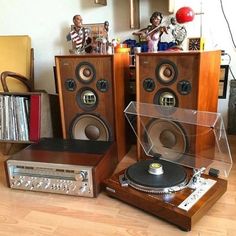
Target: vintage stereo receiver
[
  {"x": 182, "y": 176},
  {"x": 72, "y": 167}
]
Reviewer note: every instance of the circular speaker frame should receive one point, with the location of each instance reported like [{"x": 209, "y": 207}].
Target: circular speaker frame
[
  {"x": 102, "y": 85},
  {"x": 166, "y": 72},
  {"x": 167, "y": 138},
  {"x": 87, "y": 99},
  {"x": 85, "y": 72},
  {"x": 70, "y": 85},
  {"x": 87, "y": 126},
  {"x": 165, "y": 97},
  {"x": 149, "y": 84},
  {"x": 184, "y": 87}
]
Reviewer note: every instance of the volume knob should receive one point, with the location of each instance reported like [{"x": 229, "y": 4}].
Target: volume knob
[{"x": 81, "y": 176}]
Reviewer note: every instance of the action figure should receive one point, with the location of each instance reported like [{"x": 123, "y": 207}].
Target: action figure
[
  {"x": 79, "y": 36},
  {"x": 153, "y": 32},
  {"x": 176, "y": 34}
]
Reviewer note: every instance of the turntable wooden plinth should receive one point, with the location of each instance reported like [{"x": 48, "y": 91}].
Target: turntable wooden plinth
[{"x": 165, "y": 206}]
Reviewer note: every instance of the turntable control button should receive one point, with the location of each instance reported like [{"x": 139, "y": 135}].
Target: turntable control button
[{"x": 197, "y": 194}]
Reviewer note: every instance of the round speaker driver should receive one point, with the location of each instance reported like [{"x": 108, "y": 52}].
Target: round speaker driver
[
  {"x": 166, "y": 97},
  {"x": 85, "y": 72},
  {"x": 166, "y": 72},
  {"x": 166, "y": 138},
  {"x": 87, "y": 98},
  {"x": 90, "y": 127}
]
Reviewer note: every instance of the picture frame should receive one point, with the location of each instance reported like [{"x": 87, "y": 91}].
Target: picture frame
[
  {"x": 223, "y": 81},
  {"x": 96, "y": 29}
]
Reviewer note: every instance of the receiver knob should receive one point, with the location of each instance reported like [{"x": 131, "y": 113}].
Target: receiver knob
[
  {"x": 81, "y": 176},
  {"x": 82, "y": 189},
  {"x": 27, "y": 184},
  {"x": 19, "y": 182}
]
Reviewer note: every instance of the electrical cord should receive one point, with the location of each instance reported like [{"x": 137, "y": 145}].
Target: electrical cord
[
  {"x": 232, "y": 38},
  {"x": 226, "y": 54},
  {"x": 232, "y": 73},
  {"x": 231, "y": 35}
]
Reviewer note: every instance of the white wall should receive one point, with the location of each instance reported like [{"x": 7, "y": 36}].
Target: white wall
[{"x": 48, "y": 21}]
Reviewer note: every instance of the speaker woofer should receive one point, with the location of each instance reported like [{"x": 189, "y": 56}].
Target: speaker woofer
[
  {"x": 90, "y": 127},
  {"x": 166, "y": 138},
  {"x": 85, "y": 72},
  {"x": 166, "y": 72}
]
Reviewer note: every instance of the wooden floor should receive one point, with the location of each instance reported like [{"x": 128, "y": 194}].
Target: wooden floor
[{"x": 34, "y": 213}]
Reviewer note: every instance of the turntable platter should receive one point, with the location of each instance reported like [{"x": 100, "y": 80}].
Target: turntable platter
[{"x": 139, "y": 177}]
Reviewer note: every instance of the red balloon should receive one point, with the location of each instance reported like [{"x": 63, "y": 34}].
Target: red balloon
[{"x": 184, "y": 15}]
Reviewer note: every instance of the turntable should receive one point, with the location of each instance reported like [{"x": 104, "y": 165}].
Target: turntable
[{"x": 185, "y": 164}]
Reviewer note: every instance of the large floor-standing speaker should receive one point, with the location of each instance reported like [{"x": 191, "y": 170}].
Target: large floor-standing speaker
[
  {"x": 177, "y": 79},
  {"x": 91, "y": 90}
]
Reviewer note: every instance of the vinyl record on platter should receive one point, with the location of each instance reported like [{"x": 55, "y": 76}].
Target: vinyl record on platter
[
  {"x": 85, "y": 72},
  {"x": 139, "y": 176},
  {"x": 90, "y": 127},
  {"x": 166, "y": 138}
]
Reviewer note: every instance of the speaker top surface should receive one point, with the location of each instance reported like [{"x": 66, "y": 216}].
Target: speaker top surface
[
  {"x": 168, "y": 53},
  {"x": 91, "y": 55}
]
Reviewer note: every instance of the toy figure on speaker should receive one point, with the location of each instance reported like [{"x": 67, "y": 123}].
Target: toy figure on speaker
[
  {"x": 152, "y": 32},
  {"x": 79, "y": 36},
  {"x": 102, "y": 41},
  {"x": 174, "y": 38}
]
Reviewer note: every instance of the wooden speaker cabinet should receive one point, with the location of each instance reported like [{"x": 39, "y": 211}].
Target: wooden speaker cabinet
[
  {"x": 179, "y": 79},
  {"x": 91, "y": 90}
]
